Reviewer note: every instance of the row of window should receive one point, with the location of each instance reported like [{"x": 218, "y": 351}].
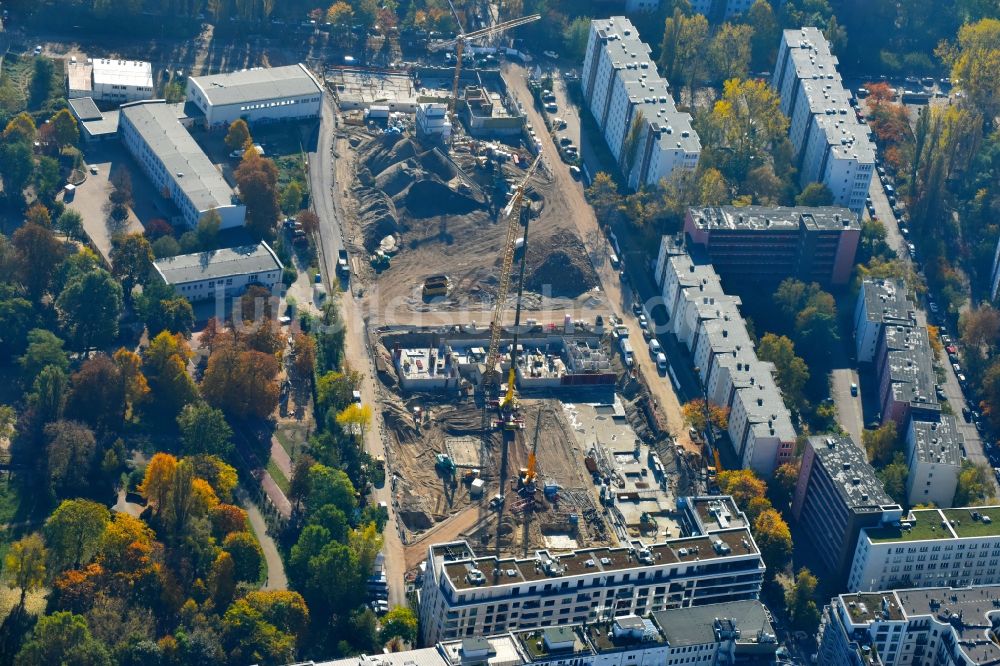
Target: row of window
[{"x": 283, "y": 102}]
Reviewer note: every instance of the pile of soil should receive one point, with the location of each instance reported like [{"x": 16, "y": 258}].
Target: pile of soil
[
  {"x": 559, "y": 266},
  {"x": 431, "y": 197}
]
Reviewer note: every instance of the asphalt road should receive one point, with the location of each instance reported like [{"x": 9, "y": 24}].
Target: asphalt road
[{"x": 849, "y": 412}]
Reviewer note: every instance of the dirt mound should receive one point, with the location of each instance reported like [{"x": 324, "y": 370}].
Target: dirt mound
[
  {"x": 387, "y": 150},
  {"x": 378, "y": 216},
  {"x": 431, "y": 197},
  {"x": 559, "y": 266}
]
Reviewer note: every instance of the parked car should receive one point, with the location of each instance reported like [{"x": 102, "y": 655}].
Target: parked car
[
  {"x": 551, "y": 107},
  {"x": 643, "y": 324},
  {"x": 654, "y": 347},
  {"x": 854, "y": 388},
  {"x": 661, "y": 362},
  {"x": 575, "y": 171}
]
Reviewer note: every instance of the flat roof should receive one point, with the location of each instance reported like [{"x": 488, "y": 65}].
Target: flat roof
[
  {"x": 78, "y": 76},
  {"x": 938, "y": 442},
  {"x": 888, "y": 302},
  {"x": 697, "y": 625},
  {"x": 845, "y": 463},
  {"x": 969, "y": 521},
  {"x": 920, "y": 525},
  {"x": 84, "y": 109},
  {"x": 500, "y": 650},
  {"x": 774, "y": 218},
  {"x": 869, "y": 606},
  {"x": 135, "y": 73},
  {"x": 227, "y": 262},
  {"x": 910, "y": 367},
  {"x": 157, "y": 124},
  {"x": 258, "y": 84}
]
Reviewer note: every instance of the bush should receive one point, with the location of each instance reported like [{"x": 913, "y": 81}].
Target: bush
[{"x": 288, "y": 276}]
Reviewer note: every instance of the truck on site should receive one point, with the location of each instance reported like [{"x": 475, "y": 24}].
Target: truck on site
[
  {"x": 343, "y": 268},
  {"x": 435, "y": 285}
]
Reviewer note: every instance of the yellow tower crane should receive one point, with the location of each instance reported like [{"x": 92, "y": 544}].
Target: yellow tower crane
[{"x": 463, "y": 37}]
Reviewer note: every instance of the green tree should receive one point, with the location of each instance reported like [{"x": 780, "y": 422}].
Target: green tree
[
  {"x": 603, "y": 196},
  {"x": 975, "y": 485},
  {"x": 815, "y": 194},
  {"x": 801, "y": 603},
  {"x": 132, "y": 259},
  {"x": 766, "y": 34},
  {"x": 682, "y": 50},
  {"x": 330, "y": 486},
  {"x": 291, "y": 198},
  {"x": 164, "y": 310},
  {"x": 38, "y": 253},
  {"x": 63, "y": 638},
  {"x": 24, "y": 565},
  {"x": 238, "y": 135},
  {"x": 400, "y": 622},
  {"x": 248, "y": 638},
  {"x": 248, "y": 558},
  {"x": 16, "y": 167},
  {"x": 48, "y": 395},
  {"x": 894, "y": 476},
  {"x": 575, "y": 37},
  {"x": 204, "y": 430},
  {"x": 64, "y": 128},
  {"x": 975, "y": 63},
  {"x": 70, "y": 222},
  {"x": 44, "y": 349},
  {"x": 792, "y": 371},
  {"x": 20, "y": 129},
  {"x": 70, "y": 452},
  {"x": 89, "y": 309},
  {"x": 882, "y": 443},
  {"x": 729, "y": 51},
  {"x": 47, "y": 178},
  {"x": 73, "y": 532}
]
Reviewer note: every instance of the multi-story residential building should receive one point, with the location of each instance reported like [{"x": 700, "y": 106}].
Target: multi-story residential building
[
  {"x": 225, "y": 272},
  {"x": 258, "y": 95},
  {"x": 769, "y": 244},
  {"x": 906, "y": 376},
  {"x": 934, "y": 451},
  {"x": 708, "y": 321},
  {"x": 941, "y": 626},
  {"x": 716, "y": 560},
  {"x": 832, "y": 145},
  {"x": 176, "y": 165},
  {"x": 836, "y": 496},
  {"x": 881, "y": 304},
  {"x": 631, "y": 103},
  {"x": 714, "y": 10},
  {"x": 713, "y": 635},
  {"x": 929, "y": 548}
]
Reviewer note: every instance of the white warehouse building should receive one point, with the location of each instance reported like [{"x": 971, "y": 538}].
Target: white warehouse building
[
  {"x": 623, "y": 90},
  {"x": 257, "y": 95},
  {"x": 176, "y": 165},
  {"x": 110, "y": 80}
]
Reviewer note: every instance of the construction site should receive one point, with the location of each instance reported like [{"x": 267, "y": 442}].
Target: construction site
[{"x": 515, "y": 437}]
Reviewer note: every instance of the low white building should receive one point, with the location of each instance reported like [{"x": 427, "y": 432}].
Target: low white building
[
  {"x": 110, "y": 80},
  {"x": 262, "y": 94},
  {"x": 934, "y": 452},
  {"x": 432, "y": 121},
  {"x": 176, "y": 164},
  {"x": 226, "y": 272},
  {"x": 930, "y": 548}
]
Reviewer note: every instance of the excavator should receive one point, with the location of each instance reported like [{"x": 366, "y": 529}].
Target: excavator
[{"x": 463, "y": 37}]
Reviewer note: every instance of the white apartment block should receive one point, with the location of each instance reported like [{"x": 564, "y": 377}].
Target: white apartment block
[
  {"x": 258, "y": 95},
  {"x": 176, "y": 165},
  {"x": 110, "y": 80},
  {"x": 995, "y": 274},
  {"x": 712, "y": 635},
  {"x": 624, "y": 91},
  {"x": 708, "y": 322},
  {"x": 881, "y": 303},
  {"x": 941, "y": 626},
  {"x": 934, "y": 451},
  {"x": 712, "y": 9},
  {"x": 930, "y": 548},
  {"x": 833, "y": 147},
  {"x": 717, "y": 560}
]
